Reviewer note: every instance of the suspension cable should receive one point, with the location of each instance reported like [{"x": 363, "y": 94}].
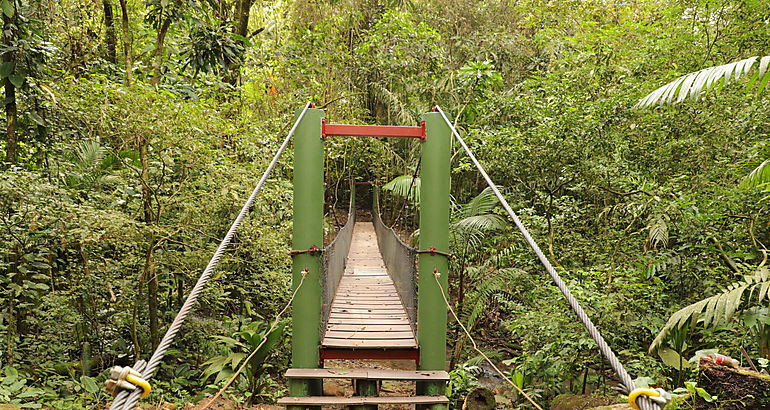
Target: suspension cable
[
  {"x": 627, "y": 382},
  {"x": 264, "y": 339},
  {"x": 476, "y": 347},
  {"x": 126, "y": 400}
]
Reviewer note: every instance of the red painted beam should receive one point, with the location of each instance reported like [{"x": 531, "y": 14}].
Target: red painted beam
[
  {"x": 344, "y": 130},
  {"x": 366, "y": 183}
]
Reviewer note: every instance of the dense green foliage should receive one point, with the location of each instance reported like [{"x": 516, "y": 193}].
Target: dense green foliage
[{"x": 135, "y": 129}]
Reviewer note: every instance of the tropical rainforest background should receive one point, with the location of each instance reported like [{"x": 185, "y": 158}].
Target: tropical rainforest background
[{"x": 133, "y": 131}]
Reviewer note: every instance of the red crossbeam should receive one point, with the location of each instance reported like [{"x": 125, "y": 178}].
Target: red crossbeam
[
  {"x": 343, "y": 130},
  {"x": 366, "y": 183}
]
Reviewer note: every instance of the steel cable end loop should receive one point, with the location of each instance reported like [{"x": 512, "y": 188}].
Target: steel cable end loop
[
  {"x": 126, "y": 378},
  {"x": 656, "y": 395}
]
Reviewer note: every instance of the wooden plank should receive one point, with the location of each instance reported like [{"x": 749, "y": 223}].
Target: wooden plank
[
  {"x": 351, "y": 316},
  {"x": 366, "y": 280},
  {"x": 364, "y": 300},
  {"x": 364, "y": 309},
  {"x": 370, "y": 303},
  {"x": 369, "y": 328},
  {"x": 360, "y": 314},
  {"x": 372, "y": 374},
  {"x": 367, "y": 303},
  {"x": 389, "y": 291},
  {"x": 368, "y": 321},
  {"x": 354, "y": 401},
  {"x": 388, "y": 374},
  {"x": 347, "y": 334},
  {"x": 368, "y": 343},
  {"x": 385, "y": 297}
]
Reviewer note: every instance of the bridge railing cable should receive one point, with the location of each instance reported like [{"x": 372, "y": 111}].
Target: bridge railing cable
[
  {"x": 335, "y": 259},
  {"x": 127, "y": 400},
  {"x": 628, "y": 383},
  {"x": 400, "y": 261}
]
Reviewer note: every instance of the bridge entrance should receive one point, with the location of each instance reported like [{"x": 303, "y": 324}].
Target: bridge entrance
[{"x": 356, "y": 302}]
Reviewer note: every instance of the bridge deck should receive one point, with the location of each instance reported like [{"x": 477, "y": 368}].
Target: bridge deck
[{"x": 366, "y": 312}]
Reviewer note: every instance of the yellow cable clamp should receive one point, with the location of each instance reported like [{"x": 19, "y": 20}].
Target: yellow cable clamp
[
  {"x": 659, "y": 396},
  {"x": 128, "y": 379}
]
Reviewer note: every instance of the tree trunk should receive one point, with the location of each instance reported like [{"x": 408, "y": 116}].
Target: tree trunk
[
  {"x": 242, "y": 14},
  {"x": 109, "y": 26},
  {"x": 736, "y": 388},
  {"x": 128, "y": 51},
  {"x": 152, "y": 291},
  {"x": 11, "y": 332},
  {"x": 11, "y": 117},
  {"x": 159, "y": 41},
  {"x": 150, "y": 218}
]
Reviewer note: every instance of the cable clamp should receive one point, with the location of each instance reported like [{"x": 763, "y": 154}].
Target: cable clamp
[
  {"x": 658, "y": 395},
  {"x": 312, "y": 251},
  {"x": 126, "y": 378},
  {"x": 434, "y": 252}
]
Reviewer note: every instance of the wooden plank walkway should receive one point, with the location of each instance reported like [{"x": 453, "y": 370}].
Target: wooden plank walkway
[{"x": 366, "y": 312}]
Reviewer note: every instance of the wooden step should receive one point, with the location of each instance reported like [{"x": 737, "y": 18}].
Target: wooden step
[
  {"x": 369, "y": 343},
  {"x": 370, "y": 374},
  {"x": 354, "y": 401}
]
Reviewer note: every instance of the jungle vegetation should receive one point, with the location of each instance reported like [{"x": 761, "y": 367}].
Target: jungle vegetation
[{"x": 133, "y": 130}]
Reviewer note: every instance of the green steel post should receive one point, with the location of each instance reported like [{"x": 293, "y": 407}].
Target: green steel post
[
  {"x": 366, "y": 388},
  {"x": 434, "y": 233},
  {"x": 308, "y": 232}
]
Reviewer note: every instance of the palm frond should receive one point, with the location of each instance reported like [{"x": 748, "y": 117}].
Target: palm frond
[
  {"x": 666, "y": 261},
  {"x": 480, "y": 223},
  {"x": 694, "y": 85},
  {"x": 404, "y": 114},
  {"x": 759, "y": 176},
  {"x": 405, "y": 187},
  {"x": 481, "y": 204},
  {"x": 89, "y": 155},
  {"x": 658, "y": 233},
  {"x": 719, "y": 309}
]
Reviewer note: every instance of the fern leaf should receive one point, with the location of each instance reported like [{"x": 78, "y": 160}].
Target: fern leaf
[{"x": 719, "y": 309}]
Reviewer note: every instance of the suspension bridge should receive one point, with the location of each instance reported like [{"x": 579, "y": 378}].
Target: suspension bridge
[{"x": 367, "y": 295}]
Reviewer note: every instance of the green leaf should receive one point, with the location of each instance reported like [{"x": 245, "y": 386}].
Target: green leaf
[
  {"x": 673, "y": 359},
  {"x": 11, "y": 374},
  {"x": 518, "y": 379},
  {"x": 8, "y": 8},
  {"x": 89, "y": 384},
  {"x": 17, "y": 80},
  {"x": 7, "y": 68},
  {"x": 704, "y": 394},
  {"x": 34, "y": 116}
]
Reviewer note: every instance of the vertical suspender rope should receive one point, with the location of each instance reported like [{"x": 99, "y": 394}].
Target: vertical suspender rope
[
  {"x": 126, "y": 400},
  {"x": 628, "y": 383}
]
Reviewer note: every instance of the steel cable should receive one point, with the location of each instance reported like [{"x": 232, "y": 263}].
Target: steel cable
[
  {"x": 126, "y": 400},
  {"x": 627, "y": 382}
]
